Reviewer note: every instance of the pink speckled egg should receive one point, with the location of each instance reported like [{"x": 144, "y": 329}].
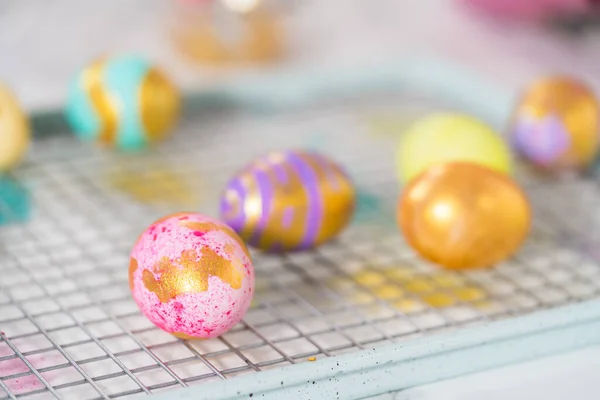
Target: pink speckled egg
[{"x": 191, "y": 275}]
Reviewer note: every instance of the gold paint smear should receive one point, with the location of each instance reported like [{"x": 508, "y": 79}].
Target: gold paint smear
[
  {"x": 369, "y": 278},
  {"x": 159, "y": 105},
  {"x": 399, "y": 273},
  {"x": 211, "y": 226},
  {"x": 184, "y": 336},
  {"x": 469, "y": 294},
  {"x": 389, "y": 291},
  {"x": 408, "y": 305},
  {"x": 420, "y": 285},
  {"x": 447, "y": 280},
  {"x": 439, "y": 300},
  {"x": 155, "y": 186},
  {"x": 190, "y": 275},
  {"x": 133, "y": 266},
  {"x": 407, "y": 290},
  {"x": 92, "y": 81}
]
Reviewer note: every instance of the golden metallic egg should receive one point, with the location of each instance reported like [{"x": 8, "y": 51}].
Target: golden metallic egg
[
  {"x": 555, "y": 124},
  {"x": 463, "y": 215}
]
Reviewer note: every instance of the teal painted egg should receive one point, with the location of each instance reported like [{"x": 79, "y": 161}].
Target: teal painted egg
[{"x": 122, "y": 102}]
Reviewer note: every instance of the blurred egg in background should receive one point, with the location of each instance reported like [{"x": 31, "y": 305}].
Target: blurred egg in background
[
  {"x": 555, "y": 125},
  {"x": 227, "y": 31},
  {"x": 442, "y": 137},
  {"x": 14, "y": 130},
  {"x": 122, "y": 102}
]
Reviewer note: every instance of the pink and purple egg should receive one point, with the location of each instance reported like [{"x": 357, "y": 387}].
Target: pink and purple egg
[{"x": 191, "y": 275}]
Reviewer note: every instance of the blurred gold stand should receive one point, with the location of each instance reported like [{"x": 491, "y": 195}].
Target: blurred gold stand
[{"x": 228, "y": 31}]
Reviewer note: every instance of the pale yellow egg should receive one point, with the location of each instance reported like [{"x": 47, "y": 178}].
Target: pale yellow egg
[{"x": 444, "y": 137}]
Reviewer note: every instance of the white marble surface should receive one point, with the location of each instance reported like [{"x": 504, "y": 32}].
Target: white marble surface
[{"x": 43, "y": 42}]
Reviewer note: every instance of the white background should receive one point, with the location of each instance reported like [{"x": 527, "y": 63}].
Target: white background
[{"x": 42, "y": 43}]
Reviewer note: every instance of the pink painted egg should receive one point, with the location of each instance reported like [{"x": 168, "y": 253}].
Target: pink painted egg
[{"x": 191, "y": 275}]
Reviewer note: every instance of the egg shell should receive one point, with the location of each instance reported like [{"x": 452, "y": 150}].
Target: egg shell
[
  {"x": 191, "y": 276},
  {"x": 122, "y": 102},
  {"x": 289, "y": 200},
  {"x": 445, "y": 137},
  {"x": 464, "y": 215},
  {"x": 15, "y": 133},
  {"x": 555, "y": 125}
]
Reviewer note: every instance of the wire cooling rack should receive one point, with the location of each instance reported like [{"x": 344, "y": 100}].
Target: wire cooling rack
[{"x": 70, "y": 329}]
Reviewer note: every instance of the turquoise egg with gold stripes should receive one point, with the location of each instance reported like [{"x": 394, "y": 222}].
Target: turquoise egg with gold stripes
[{"x": 122, "y": 102}]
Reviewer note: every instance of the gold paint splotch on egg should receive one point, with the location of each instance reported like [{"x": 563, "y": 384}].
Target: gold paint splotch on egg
[
  {"x": 15, "y": 133},
  {"x": 463, "y": 215},
  {"x": 289, "y": 200},
  {"x": 555, "y": 124}
]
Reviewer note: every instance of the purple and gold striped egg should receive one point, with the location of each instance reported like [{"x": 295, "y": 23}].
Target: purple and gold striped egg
[{"x": 288, "y": 200}]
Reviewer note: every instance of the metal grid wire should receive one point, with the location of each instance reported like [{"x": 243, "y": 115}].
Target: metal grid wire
[{"x": 70, "y": 329}]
